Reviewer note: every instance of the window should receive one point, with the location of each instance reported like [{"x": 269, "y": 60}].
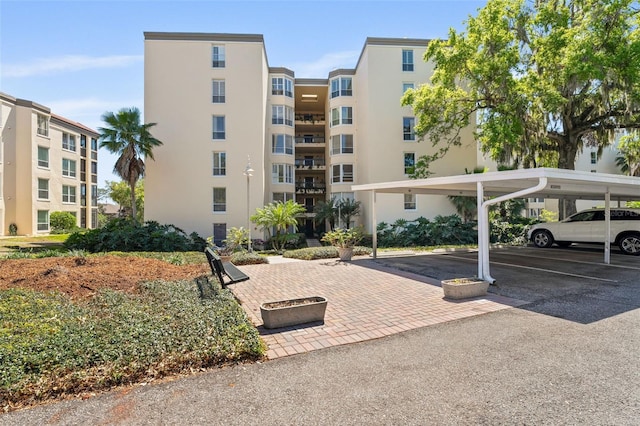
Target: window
[
  {"x": 282, "y": 144},
  {"x": 219, "y": 163},
  {"x": 288, "y": 87},
  {"x": 282, "y": 173},
  {"x": 218, "y": 92},
  {"x": 94, "y": 144},
  {"x": 219, "y": 199},
  {"x": 43, "y": 157},
  {"x": 68, "y": 194},
  {"x": 43, "y": 220},
  {"x": 341, "y": 144},
  {"x": 219, "y": 233},
  {"x": 218, "y": 60},
  {"x": 282, "y": 197},
  {"x": 43, "y": 127},
  {"x": 68, "y": 168},
  {"x": 341, "y": 86},
  {"x": 281, "y": 114},
  {"x": 409, "y": 163},
  {"x": 409, "y": 201},
  {"x": 277, "y": 86},
  {"x": 594, "y": 157},
  {"x": 83, "y": 194},
  {"x": 342, "y": 173},
  {"x": 407, "y": 86},
  {"x": 407, "y": 128},
  {"x": 342, "y": 115},
  {"x": 218, "y": 127},
  {"x": 94, "y": 195},
  {"x": 407, "y": 60},
  {"x": 68, "y": 142},
  {"x": 43, "y": 189}
]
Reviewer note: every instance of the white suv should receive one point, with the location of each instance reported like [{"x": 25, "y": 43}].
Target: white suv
[{"x": 587, "y": 226}]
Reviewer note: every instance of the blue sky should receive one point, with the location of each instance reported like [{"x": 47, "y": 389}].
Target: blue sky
[{"x": 82, "y": 58}]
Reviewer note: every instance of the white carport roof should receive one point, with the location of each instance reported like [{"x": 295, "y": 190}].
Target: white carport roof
[{"x": 544, "y": 182}]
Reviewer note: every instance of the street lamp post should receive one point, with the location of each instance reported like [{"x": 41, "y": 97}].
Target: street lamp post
[{"x": 248, "y": 173}]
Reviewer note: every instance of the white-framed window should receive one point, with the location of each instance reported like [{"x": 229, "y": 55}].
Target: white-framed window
[
  {"x": 219, "y": 127},
  {"x": 219, "y": 200},
  {"x": 217, "y": 56},
  {"x": 282, "y": 86},
  {"x": 342, "y": 173},
  {"x": 407, "y": 60},
  {"x": 282, "y": 173},
  {"x": 68, "y": 142},
  {"x": 341, "y": 144},
  {"x": 43, "y": 127},
  {"x": 219, "y": 92},
  {"x": 219, "y": 163},
  {"x": 409, "y": 201},
  {"x": 594, "y": 157},
  {"x": 408, "y": 124},
  {"x": 341, "y": 86},
  {"x": 68, "y": 168},
  {"x": 43, "y": 189},
  {"x": 407, "y": 86},
  {"x": 94, "y": 144},
  {"x": 94, "y": 195},
  {"x": 68, "y": 194},
  {"x": 282, "y": 144},
  {"x": 409, "y": 163},
  {"x": 43, "y": 220},
  {"x": 43, "y": 157},
  {"x": 282, "y": 197},
  {"x": 342, "y": 115},
  {"x": 219, "y": 233},
  {"x": 282, "y": 114},
  {"x": 83, "y": 194}
]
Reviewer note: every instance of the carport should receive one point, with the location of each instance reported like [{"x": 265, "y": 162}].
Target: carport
[{"x": 494, "y": 187}]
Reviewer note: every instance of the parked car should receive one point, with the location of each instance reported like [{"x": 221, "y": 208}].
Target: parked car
[{"x": 588, "y": 226}]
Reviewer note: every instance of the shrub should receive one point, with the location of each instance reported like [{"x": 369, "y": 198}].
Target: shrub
[
  {"x": 13, "y": 229},
  {"x": 62, "y": 222},
  {"x": 49, "y": 346},
  {"x": 442, "y": 230},
  {"x": 246, "y": 258},
  {"x": 313, "y": 253},
  {"x": 125, "y": 235}
]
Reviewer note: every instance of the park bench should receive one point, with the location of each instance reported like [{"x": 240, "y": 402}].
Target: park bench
[{"x": 224, "y": 269}]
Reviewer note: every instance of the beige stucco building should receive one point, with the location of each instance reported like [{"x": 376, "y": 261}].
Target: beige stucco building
[
  {"x": 218, "y": 105},
  {"x": 47, "y": 164}
]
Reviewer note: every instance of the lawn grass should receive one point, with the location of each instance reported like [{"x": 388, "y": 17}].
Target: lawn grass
[{"x": 51, "y": 347}]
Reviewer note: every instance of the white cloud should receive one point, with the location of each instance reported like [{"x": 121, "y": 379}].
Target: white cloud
[
  {"x": 68, "y": 63},
  {"x": 321, "y": 67}
]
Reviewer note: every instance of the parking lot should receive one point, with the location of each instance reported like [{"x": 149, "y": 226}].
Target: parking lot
[{"x": 550, "y": 279}]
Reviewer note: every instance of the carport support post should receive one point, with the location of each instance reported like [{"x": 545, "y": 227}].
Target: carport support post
[
  {"x": 483, "y": 224},
  {"x": 374, "y": 227},
  {"x": 607, "y": 227}
]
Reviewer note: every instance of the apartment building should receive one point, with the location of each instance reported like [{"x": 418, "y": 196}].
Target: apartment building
[
  {"x": 47, "y": 164},
  {"x": 221, "y": 110}
]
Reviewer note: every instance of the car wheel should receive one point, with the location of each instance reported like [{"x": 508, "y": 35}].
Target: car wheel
[
  {"x": 630, "y": 244},
  {"x": 542, "y": 238},
  {"x": 563, "y": 243}
]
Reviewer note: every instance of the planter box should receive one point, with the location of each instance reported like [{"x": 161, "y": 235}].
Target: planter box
[
  {"x": 463, "y": 288},
  {"x": 345, "y": 253},
  {"x": 286, "y": 313}
]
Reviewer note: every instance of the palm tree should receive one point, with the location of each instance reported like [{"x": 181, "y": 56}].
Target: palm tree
[
  {"x": 126, "y": 136},
  {"x": 629, "y": 158},
  {"x": 326, "y": 211},
  {"x": 348, "y": 208},
  {"x": 278, "y": 216}
]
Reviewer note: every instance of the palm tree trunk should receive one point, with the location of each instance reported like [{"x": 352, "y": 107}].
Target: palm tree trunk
[{"x": 134, "y": 210}]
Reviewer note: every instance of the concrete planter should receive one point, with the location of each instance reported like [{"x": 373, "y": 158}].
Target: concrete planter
[
  {"x": 345, "y": 253},
  {"x": 286, "y": 313},
  {"x": 464, "y": 288}
]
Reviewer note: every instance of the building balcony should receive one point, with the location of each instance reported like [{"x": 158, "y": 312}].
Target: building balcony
[
  {"x": 313, "y": 140},
  {"x": 310, "y": 164},
  {"x": 311, "y": 188},
  {"x": 315, "y": 119}
]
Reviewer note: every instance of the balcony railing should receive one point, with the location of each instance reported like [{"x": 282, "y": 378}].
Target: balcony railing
[
  {"x": 310, "y": 188},
  {"x": 310, "y": 139},
  {"x": 310, "y": 164},
  {"x": 310, "y": 118}
]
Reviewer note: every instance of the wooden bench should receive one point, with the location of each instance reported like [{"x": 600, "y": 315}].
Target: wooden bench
[{"x": 224, "y": 269}]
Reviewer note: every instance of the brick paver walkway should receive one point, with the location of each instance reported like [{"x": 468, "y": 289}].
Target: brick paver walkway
[{"x": 365, "y": 301}]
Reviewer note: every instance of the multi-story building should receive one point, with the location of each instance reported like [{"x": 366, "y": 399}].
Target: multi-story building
[
  {"x": 47, "y": 164},
  {"x": 218, "y": 105}
]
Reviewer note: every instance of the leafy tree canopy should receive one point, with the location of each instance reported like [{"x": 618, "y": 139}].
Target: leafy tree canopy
[
  {"x": 120, "y": 193},
  {"x": 541, "y": 78},
  {"x": 629, "y": 158}
]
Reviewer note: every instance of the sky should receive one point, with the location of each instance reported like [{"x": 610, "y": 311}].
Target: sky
[{"x": 83, "y": 58}]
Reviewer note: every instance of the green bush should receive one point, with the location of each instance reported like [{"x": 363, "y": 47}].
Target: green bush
[
  {"x": 327, "y": 252},
  {"x": 62, "y": 222},
  {"x": 50, "y": 347},
  {"x": 442, "y": 230},
  {"x": 245, "y": 258},
  {"x": 126, "y": 235}
]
